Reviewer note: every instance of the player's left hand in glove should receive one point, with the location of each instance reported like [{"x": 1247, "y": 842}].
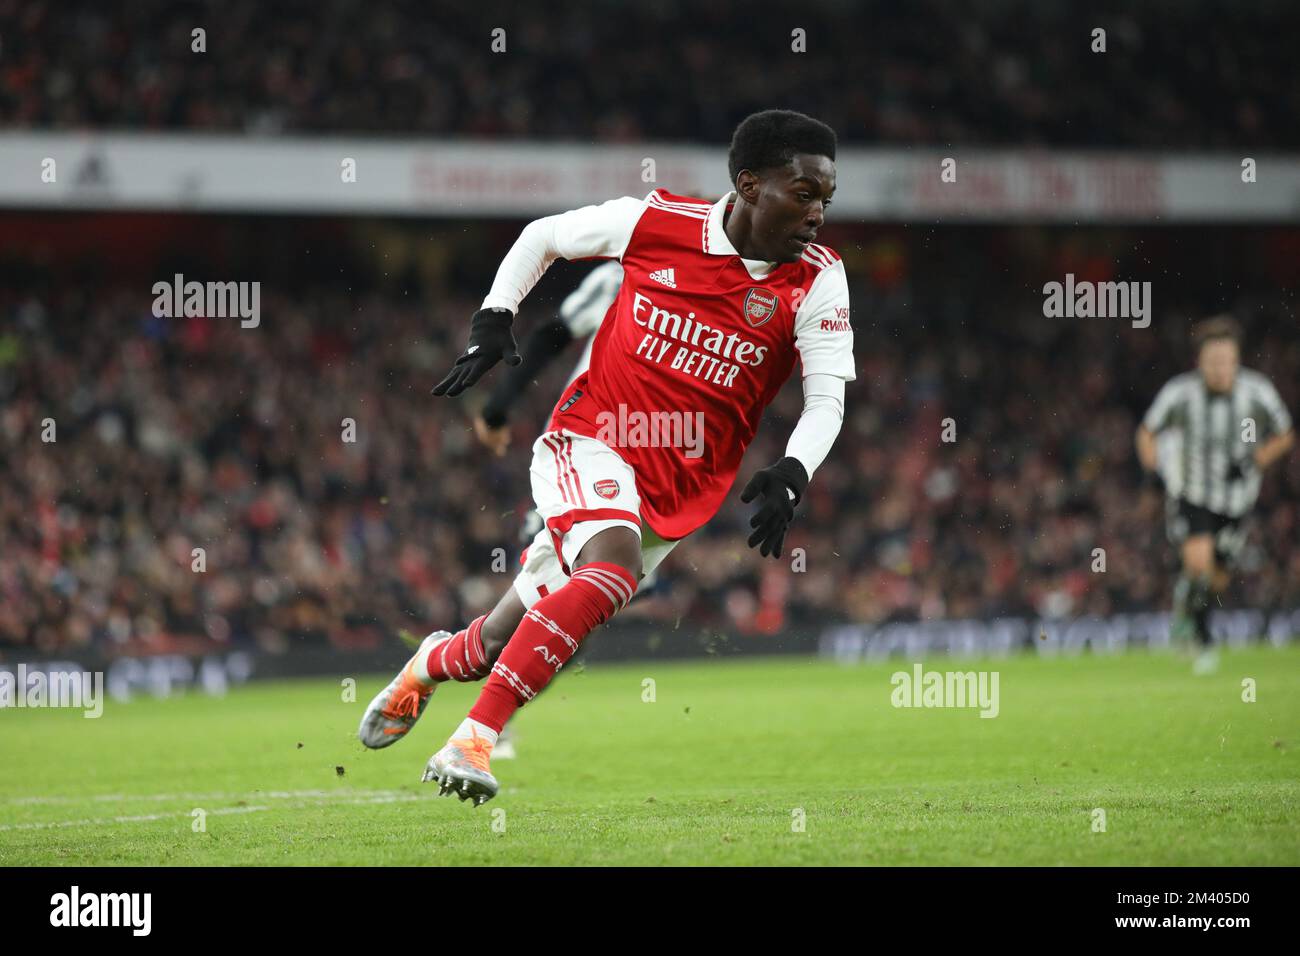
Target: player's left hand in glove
[
  {"x": 490, "y": 341},
  {"x": 778, "y": 489}
]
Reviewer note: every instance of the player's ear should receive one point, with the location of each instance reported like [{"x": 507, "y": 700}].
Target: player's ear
[{"x": 747, "y": 186}]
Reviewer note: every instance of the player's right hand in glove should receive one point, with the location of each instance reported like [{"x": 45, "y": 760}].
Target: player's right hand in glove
[
  {"x": 490, "y": 341},
  {"x": 778, "y": 489}
]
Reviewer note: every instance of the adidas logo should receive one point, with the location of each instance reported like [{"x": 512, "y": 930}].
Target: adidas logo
[{"x": 665, "y": 276}]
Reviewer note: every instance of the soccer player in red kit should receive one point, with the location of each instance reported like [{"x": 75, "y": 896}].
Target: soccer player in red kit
[{"x": 717, "y": 303}]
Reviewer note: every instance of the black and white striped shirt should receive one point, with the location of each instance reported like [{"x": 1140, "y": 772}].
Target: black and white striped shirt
[
  {"x": 1205, "y": 432},
  {"x": 584, "y": 309}
]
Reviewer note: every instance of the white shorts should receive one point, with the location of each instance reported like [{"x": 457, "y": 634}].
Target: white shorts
[{"x": 581, "y": 486}]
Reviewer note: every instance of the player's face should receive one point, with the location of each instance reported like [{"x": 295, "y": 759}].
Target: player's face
[
  {"x": 791, "y": 206},
  {"x": 1218, "y": 364}
]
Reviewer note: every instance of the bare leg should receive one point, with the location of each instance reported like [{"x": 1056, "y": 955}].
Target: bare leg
[
  {"x": 501, "y": 623},
  {"x": 619, "y": 546},
  {"x": 1198, "y": 556}
]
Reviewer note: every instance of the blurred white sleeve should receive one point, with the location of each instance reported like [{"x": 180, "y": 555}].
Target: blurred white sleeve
[
  {"x": 601, "y": 232},
  {"x": 1158, "y": 415},
  {"x": 820, "y": 421}
]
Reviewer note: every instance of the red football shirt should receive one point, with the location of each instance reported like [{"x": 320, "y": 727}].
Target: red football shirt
[{"x": 695, "y": 338}]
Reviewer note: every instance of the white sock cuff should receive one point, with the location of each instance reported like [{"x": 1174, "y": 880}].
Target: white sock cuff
[
  {"x": 421, "y": 665},
  {"x": 470, "y": 727}
]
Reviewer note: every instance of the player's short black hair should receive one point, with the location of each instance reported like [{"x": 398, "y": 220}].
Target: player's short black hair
[
  {"x": 770, "y": 139},
  {"x": 1216, "y": 328}
]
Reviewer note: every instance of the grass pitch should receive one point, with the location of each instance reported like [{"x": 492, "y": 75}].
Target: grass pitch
[{"x": 720, "y": 769}]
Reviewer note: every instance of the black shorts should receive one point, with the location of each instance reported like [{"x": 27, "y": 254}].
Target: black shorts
[{"x": 1184, "y": 520}]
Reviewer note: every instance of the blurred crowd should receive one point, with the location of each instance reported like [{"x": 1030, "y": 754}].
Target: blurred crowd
[
  {"x": 1205, "y": 74},
  {"x": 127, "y": 442}
]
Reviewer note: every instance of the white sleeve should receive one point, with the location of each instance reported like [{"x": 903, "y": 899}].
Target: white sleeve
[
  {"x": 585, "y": 307},
  {"x": 821, "y": 326},
  {"x": 823, "y": 413},
  {"x": 1158, "y": 415},
  {"x": 601, "y": 232}
]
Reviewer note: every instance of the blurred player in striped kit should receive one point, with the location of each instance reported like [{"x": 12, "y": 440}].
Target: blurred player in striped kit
[
  {"x": 1219, "y": 427},
  {"x": 580, "y": 316}
]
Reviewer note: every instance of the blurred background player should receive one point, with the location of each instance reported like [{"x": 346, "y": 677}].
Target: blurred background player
[
  {"x": 1224, "y": 426},
  {"x": 580, "y": 316}
]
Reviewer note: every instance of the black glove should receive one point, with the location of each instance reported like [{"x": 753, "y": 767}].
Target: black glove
[
  {"x": 1240, "y": 468},
  {"x": 490, "y": 341},
  {"x": 780, "y": 487}
]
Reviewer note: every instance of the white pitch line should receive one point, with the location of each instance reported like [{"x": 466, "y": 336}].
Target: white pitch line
[
  {"x": 220, "y": 811},
  {"x": 159, "y": 797}
]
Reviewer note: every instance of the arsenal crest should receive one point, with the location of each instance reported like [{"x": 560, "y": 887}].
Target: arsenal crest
[
  {"x": 607, "y": 488},
  {"x": 760, "y": 305}
]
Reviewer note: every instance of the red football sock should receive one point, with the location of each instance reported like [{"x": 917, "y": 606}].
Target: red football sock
[
  {"x": 547, "y": 637},
  {"x": 460, "y": 657}
]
